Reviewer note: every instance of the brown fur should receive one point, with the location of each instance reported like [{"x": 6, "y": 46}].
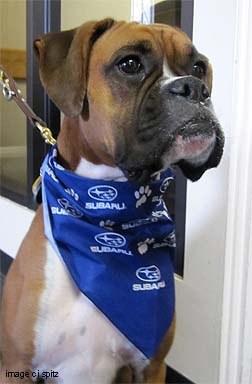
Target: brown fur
[
  {"x": 78, "y": 135},
  {"x": 21, "y": 297}
]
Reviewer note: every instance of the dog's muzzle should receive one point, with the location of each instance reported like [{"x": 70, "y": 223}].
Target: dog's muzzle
[
  {"x": 198, "y": 142},
  {"x": 176, "y": 125}
]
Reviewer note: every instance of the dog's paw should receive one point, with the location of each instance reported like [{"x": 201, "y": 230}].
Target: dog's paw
[
  {"x": 142, "y": 195},
  {"x": 143, "y": 246},
  {"x": 159, "y": 214},
  {"x": 108, "y": 224},
  {"x": 171, "y": 239}
]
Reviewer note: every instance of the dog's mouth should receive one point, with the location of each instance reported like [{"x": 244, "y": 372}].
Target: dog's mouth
[
  {"x": 193, "y": 142},
  {"x": 198, "y": 148},
  {"x": 194, "y": 148}
]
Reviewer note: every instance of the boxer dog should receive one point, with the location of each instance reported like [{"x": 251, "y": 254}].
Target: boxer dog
[{"x": 136, "y": 100}]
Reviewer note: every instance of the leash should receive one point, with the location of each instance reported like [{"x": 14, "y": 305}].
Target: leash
[{"x": 11, "y": 92}]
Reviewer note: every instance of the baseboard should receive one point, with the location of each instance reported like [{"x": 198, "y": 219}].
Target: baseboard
[{"x": 173, "y": 377}]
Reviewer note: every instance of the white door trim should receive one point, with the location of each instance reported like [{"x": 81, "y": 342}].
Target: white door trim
[{"x": 236, "y": 335}]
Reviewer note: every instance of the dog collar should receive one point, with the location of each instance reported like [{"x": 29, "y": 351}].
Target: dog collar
[{"x": 117, "y": 241}]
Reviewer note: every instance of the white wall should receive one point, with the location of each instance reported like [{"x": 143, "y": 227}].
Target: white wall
[
  {"x": 236, "y": 340},
  {"x": 76, "y": 12},
  {"x": 196, "y": 351},
  {"x": 12, "y": 120},
  {"x": 12, "y": 28},
  {"x": 223, "y": 30}
]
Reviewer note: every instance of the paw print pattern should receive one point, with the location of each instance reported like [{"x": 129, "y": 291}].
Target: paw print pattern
[
  {"x": 161, "y": 213},
  {"x": 143, "y": 246},
  {"x": 142, "y": 195},
  {"x": 171, "y": 239},
  {"x": 108, "y": 224}
]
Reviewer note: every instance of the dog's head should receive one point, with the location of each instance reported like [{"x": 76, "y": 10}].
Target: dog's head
[{"x": 143, "y": 92}]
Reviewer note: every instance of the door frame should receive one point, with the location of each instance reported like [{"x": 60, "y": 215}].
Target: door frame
[
  {"x": 222, "y": 31},
  {"x": 236, "y": 340}
]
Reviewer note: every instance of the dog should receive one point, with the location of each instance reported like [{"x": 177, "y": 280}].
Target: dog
[{"x": 136, "y": 100}]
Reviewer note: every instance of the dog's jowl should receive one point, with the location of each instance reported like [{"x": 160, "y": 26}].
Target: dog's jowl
[{"x": 90, "y": 295}]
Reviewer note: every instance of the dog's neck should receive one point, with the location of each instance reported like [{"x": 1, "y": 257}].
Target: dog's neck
[{"x": 78, "y": 152}]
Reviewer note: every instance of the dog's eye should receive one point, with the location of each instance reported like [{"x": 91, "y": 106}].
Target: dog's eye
[
  {"x": 199, "y": 69},
  {"x": 131, "y": 65}
]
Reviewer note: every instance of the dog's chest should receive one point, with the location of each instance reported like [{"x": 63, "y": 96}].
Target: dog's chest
[{"x": 71, "y": 332}]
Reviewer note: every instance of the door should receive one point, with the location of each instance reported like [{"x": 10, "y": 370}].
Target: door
[{"x": 212, "y": 343}]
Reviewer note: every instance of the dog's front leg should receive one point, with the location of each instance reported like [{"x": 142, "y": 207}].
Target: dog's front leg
[
  {"x": 124, "y": 375},
  {"x": 155, "y": 372}
]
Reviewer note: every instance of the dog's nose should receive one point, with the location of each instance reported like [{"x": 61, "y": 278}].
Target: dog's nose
[{"x": 189, "y": 87}]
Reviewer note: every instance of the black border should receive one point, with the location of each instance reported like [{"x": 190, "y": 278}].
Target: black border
[
  {"x": 187, "y": 8},
  {"x": 184, "y": 19},
  {"x": 42, "y": 16},
  {"x": 13, "y": 196},
  {"x": 186, "y": 24},
  {"x": 5, "y": 263},
  {"x": 173, "y": 377}
]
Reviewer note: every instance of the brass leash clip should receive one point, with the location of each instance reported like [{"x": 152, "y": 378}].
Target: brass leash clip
[
  {"x": 45, "y": 133},
  {"x": 7, "y": 92},
  {"x": 10, "y": 91}
]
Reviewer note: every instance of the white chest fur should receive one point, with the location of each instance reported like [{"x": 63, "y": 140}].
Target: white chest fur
[
  {"x": 73, "y": 337},
  {"x": 100, "y": 172}
]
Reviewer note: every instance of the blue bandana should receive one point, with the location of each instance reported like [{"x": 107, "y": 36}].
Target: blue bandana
[{"x": 117, "y": 241}]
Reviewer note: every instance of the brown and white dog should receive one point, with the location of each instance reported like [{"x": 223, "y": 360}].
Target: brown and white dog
[{"x": 136, "y": 100}]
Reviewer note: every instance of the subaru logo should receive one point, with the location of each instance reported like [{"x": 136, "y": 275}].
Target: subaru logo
[
  {"x": 72, "y": 211},
  {"x": 111, "y": 239},
  {"x": 102, "y": 193},
  {"x": 165, "y": 184},
  {"x": 149, "y": 274}
]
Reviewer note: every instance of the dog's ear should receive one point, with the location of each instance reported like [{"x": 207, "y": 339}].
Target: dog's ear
[{"x": 63, "y": 64}]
